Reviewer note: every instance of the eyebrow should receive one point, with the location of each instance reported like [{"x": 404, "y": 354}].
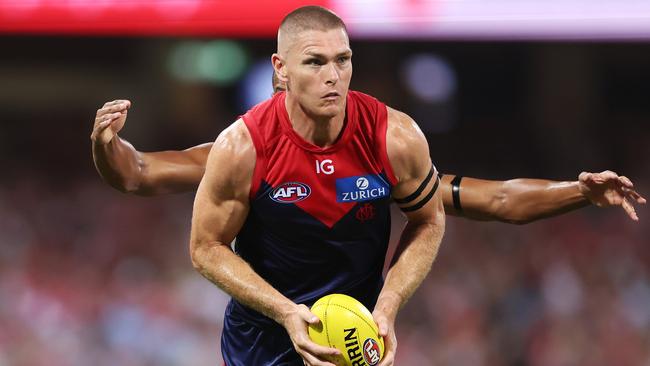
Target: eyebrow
[{"x": 347, "y": 52}]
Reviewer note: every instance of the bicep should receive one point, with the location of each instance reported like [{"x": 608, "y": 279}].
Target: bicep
[
  {"x": 218, "y": 215},
  {"x": 417, "y": 190},
  {"x": 222, "y": 202}
]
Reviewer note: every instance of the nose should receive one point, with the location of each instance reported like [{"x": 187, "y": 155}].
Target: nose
[{"x": 332, "y": 74}]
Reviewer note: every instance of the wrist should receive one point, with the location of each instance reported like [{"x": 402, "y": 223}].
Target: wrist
[
  {"x": 583, "y": 191},
  {"x": 283, "y": 312},
  {"x": 389, "y": 303}
]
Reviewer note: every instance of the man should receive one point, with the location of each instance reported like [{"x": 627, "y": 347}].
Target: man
[
  {"x": 516, "y": 201},
  {"x": 289, "y": 179}
]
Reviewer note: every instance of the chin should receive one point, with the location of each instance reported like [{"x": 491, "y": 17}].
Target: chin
[{"x": 330, "y": 111}]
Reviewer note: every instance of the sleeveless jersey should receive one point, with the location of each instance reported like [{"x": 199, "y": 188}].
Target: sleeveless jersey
[{"x": 319, "y": 221}]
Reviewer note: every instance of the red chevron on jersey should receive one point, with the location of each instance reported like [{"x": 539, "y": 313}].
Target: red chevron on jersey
[
  {"x": 319, "y": 221},
  {"x": 326, "y": 183}
]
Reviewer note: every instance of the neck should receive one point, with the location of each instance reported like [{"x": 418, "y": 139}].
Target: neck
[{"x": 317, "y": 130}]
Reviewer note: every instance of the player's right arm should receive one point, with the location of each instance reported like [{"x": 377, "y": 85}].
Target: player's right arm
[
  {"x": 129, "y": 170},
  {"x": 520, "y": 201},
  {"x": 220, "y": 209}
]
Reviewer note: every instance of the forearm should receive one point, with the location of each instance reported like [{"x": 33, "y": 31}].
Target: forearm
[
  {"x": 217, "y": 263},
  {"x": 119, "y": 164},
  {"x": 526, "y": 200},
  {"x": 416, "y": 252}
]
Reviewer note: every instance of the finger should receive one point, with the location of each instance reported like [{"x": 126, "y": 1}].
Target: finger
[
  {"x": 629, "y": 209},
  {"x": 609, "y": 174},
  {"x": 603, "y": 176},
  {"x": 317, "y": 349},
  {"x": 114, "y": 102},
  {"x": 388, "y": 359},
  {"x": 315, "y": 354},
  {"x": 117, "y": 108},
  {"x": 634, "y": 196},
  {"x": 112, "y": 109},
  {"x": 626, "y": 181},
  {"x": 585, "y": 176},
  {"x": 104, "y": 125},
  {"x": 107, "y": 117},
  {"x": 99, "y": 128}
]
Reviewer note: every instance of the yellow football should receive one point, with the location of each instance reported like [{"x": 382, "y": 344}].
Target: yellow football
[{"x": 348, "y": 326}]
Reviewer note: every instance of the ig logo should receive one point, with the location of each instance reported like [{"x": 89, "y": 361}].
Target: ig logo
[{"x": 326, "y": 166}]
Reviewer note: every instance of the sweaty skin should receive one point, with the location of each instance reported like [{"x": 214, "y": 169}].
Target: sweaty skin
[{"x": 517, "y": 201}]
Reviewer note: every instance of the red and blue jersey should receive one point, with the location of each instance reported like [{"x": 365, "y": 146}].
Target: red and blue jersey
[{"x": 319, "y": 220}]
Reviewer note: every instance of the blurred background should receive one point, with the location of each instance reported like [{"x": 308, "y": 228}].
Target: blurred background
[{"x": 502, "y": 89}]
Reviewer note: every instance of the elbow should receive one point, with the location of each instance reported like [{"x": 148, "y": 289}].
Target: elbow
[
  {"x": 120, "y": 182},
  {"x": 129, "y": 186},
  {"x": 519, "y": 220},
  {"x": 196, "y": 251},
  {"x": 204, "y": 254},
  {"x": 132, "y": 181}
]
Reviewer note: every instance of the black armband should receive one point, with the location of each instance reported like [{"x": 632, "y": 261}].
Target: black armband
[
  {"x": 455, "y": 192},
  {"x": 423, "y": 201},
  {"x": 418, "y": 191}
]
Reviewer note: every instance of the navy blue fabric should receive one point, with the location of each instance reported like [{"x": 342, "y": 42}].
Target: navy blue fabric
[{"x": 304, "y": 260}]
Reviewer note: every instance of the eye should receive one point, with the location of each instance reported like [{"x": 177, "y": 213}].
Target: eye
[
  {"x": 313, "y": 61},
  {"x": 343, "y": 59}
]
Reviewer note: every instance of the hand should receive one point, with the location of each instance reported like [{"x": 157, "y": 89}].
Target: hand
[
  {"x": 609, "y": 189},
  {"x": 386, "y": 331},
  {"x": 296, "y": 323},
  {"x": 109, "y": 121}
]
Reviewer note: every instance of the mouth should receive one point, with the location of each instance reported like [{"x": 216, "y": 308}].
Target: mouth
[{"x": 331, "y": 96}]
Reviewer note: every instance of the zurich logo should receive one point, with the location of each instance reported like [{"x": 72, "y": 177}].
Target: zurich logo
[
  {"x": 367, "y": 187},
  {"x": 290, "y": 192},
  {"x": 362, "y": 183}
]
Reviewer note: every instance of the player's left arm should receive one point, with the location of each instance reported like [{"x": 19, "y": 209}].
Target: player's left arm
[
  {"x": 417, "y": 194},
  {"x": 520, "y": 201}
]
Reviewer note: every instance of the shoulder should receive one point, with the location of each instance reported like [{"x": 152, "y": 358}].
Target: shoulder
[
  {"x": 406, "y": 145},
  {"x": 364, "y": 100},
  {"x": 232, "y": 156}
]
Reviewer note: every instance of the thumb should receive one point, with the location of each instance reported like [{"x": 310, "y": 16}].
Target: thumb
[
  {"x": 308, "y": 316},
  {"x": 381, "y": 325}
]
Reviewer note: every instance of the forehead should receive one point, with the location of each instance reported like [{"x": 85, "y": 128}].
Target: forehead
[{"x": 333, "y": 41}]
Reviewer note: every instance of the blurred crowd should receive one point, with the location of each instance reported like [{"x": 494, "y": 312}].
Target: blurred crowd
[{"x": 89, "y": 276}]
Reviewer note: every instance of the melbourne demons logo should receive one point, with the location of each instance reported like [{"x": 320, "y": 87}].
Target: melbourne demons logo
[
  {"x": 371, "y": 352},
  {"x": 365, "y": 212},
  {"x": 290, "y": 192}
]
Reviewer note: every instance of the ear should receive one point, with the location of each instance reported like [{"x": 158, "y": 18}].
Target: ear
[{"x": 280, "y": 67}]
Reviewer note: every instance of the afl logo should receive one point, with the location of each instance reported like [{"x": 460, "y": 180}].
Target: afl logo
[
  {"x": 362, "y": 183},
  {"x": 290, "y": 192},
  {"x": 371, "y": 352}
]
